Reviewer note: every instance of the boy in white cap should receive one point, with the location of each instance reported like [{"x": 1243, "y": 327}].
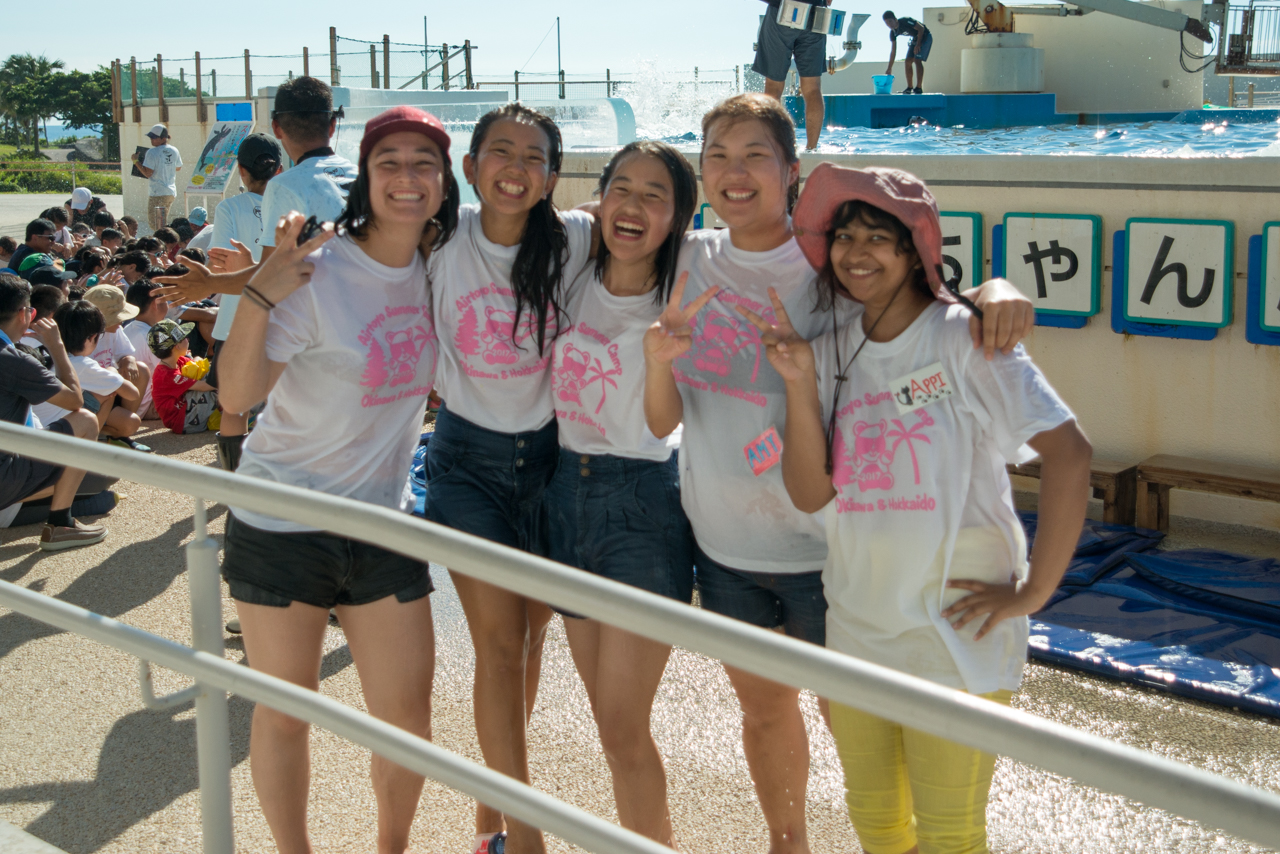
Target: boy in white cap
[{"x": 161, "y": 166}]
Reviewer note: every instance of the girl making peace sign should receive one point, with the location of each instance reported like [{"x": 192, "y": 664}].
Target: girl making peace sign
[{"x": 900, "y": 433}]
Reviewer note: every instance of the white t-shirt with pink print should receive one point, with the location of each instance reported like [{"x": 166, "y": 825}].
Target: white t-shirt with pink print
[
  {"x": 597, "y": 372},
  {"x": 360, "y": 353},
  {"x": 924, "y": 427},
  {"x": 485, "y": 376},
  {"x": 732, "y": 399}
]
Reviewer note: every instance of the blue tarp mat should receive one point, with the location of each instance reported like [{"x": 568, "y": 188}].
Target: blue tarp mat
[{"x": 1199, "y": 623}]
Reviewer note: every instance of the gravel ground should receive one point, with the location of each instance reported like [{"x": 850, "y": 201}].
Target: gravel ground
[{"x": 85, "y": 767}]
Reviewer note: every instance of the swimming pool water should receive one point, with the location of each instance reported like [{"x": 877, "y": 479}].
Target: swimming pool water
[{"x": 1149, "y": 139}]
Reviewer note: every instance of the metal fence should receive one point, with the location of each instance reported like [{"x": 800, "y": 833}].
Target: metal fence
[
  {"x": 1191, "y": 792},
  {"x": 1250, "y": 40}
]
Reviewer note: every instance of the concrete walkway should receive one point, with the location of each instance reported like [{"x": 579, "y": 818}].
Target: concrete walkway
[
  {"x": 18, "y": 209},
  {"x": 84, "y": 767}
]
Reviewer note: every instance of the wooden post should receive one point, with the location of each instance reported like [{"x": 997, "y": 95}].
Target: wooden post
[
  {"x": 333, "y": 56},
  {"x": 248, "y": 76},
  {"x": 466, "y": 46},
  {"x": 164, "y": 108},
  {"x": 202, "y": 115},
  {"x": 133, "y": 83},
  {"x": 386, "y": 61},
  {"x": 306, "y": 63},
  {"x": 213, "y": 82},
  {"x": 373, "y": 67},
  {"x": 517, "y": 86},
  {"x": 444, "y": 67},
  {"x": 117, "y": 102}
]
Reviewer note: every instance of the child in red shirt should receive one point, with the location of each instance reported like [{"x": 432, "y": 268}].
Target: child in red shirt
[{"x": 184, "y": 403}]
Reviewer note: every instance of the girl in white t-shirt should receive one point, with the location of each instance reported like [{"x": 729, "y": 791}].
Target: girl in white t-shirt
[
  {"x": 759, "y": 559},
  {"x": 497, "y": 288},
  {"x": 337, "y": 336},
  {"x": 614, "y": 503},
  {"x": 901, "y": 432}
]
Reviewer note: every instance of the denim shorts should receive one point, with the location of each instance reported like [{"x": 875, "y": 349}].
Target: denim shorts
[
  {"x": 491, "y": 484},
  {"x": 621, "y": 519},
  {"x": 316, "y": 568},
  {"x": 793, "y": 600}
]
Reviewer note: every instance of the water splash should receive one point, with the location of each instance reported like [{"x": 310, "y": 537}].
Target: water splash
[{"x": 668, "y": 103}]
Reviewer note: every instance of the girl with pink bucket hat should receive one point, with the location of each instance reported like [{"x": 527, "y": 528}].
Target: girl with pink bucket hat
[{"x": 899, "y": 431}]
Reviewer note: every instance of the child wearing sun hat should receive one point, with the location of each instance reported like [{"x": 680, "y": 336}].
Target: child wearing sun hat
[{"x": 185, "y": 402}]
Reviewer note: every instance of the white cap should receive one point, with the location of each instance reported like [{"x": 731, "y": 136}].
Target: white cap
[
  {"x": 80, "y": 197},
  {"x": 158, "y": 131}
]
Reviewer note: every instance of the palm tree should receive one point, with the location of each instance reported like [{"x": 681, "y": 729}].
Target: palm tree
[{"x": 25, "y": 86}]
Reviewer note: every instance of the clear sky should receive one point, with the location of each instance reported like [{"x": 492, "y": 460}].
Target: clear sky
[{"x": 595, "y": 34}]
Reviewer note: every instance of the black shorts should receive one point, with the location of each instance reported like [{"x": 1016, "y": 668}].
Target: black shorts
[
  {"x": 212, "y": 377},
  {"x": 919, "y": 48},
  {"x": 317, "y": 568},
  {"x": 25, "y": 476},
  {"x": 776, "y": 45}
]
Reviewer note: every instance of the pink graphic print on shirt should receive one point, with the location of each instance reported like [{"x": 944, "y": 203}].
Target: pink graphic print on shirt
[
  {"x": 722, "y": 337},
  {"x": 869, "y": 464},
  {"x": 392, "y": 356},
  {"x": 497, "y": 340},
  {"x": 578, "y": 369}
]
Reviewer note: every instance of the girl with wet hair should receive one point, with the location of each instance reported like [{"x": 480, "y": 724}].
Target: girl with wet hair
[
  {"x": 498, "y": 294},
  {"x": 898, "y": 432},
  {"x": 614, "y": 503}
]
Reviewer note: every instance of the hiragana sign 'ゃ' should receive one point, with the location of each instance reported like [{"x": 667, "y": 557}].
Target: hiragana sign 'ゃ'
[
  {"x": 1055, "y": 260},
  {"x": 1269, "y": 316},
  {"x": 962, "y": 249},
  {"x": 1179, "y": 271}
]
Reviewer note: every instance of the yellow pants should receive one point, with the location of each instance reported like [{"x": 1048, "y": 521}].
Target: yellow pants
[{"x": 906, "y": 788}]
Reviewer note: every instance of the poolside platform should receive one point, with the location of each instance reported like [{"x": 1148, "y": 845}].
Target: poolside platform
[{"x": 84, "y": 767}]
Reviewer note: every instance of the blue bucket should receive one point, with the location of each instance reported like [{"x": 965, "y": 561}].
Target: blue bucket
[{"x": 882, "y": 84}]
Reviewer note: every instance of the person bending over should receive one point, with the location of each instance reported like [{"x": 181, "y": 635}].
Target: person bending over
[{"x": 917, "y": 49}]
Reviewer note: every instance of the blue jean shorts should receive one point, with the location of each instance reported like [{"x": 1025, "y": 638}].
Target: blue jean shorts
[
  {"x": 793, "y": 600},
  {"x": 621, "y": 519},
  {"x": 491, "y": 484}
]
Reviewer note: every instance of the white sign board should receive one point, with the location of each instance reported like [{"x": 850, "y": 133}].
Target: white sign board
[
  {"x": 962, "y": 249},
  {"x": 1179, "y": 271},
  {"x": 1270, "y": 315},
  {"x": 1054, "y": 259}
]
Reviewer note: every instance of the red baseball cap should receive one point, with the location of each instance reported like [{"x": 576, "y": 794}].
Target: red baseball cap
[
  {"x": 404, "y": 118},
  {"x": 893, "y": 191}
]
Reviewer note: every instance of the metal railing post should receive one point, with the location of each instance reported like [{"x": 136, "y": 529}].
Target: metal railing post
[
  {"x": 213, "y": 728},
  {"x": 608, "y": 84},
  {"x": 213, "y": 82},
  {"x": 517, "y": 98},
  {"x": 562, "y": 84}
]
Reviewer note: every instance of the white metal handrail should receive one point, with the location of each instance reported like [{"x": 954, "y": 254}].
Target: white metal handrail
[{"x": 1216, "y": 801}]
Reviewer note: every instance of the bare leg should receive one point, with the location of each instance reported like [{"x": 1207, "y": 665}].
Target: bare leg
[
  {"x": 773, "y": 88},
  {"x": 814, "y": 109},
  {"x": 234, "y": 424},
  {"x": 393, "y": 645},
  {"x": 504, "y": 636},
  {"x": 63, "y": 493},
  {"x": 777, "y": 748},
  {"x": 284, "y": 642},
  {"x": 121, "y": 422},
  {"x": 919, "y": 73},
  {"x": 906, "y": 65},
  {"x": 622, "y": 672}
]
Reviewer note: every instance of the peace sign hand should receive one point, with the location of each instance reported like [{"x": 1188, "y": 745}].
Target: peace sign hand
[
  {"x": 790, "y": 355},
  {"x": 671, "y": 336},
  {"x": 288, "y": 268}
]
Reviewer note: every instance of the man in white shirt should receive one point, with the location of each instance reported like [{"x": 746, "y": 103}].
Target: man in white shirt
[{"x": 161, "y": 167}]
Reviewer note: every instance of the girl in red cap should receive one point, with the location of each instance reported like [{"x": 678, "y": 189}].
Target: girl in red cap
[
  {"x": 899, "y": 432},
  {"x": 498, "y": 295},
  {"x": 337, "y": 335}
]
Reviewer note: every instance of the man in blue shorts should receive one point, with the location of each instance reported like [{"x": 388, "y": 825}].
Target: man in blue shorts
[
  {"x": 917, "y": 49},
  {"x": 775, "y": 46}
]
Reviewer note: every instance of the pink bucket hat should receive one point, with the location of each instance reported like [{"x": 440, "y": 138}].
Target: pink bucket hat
[{"x": 893, "y": 191}]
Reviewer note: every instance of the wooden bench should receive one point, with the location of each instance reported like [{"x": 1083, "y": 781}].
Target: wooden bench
[
  {"x": 1158, "y": 474},
  {"x": 1115, "y": 483}
]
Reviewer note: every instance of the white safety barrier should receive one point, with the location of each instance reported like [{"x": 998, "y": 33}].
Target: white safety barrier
[{"x": 1248, "y": 812}]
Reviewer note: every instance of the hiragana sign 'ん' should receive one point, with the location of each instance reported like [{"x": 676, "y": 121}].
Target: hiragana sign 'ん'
[
  {"x": 1055, "y": 260},
  {"x": 1269, "y": 317},
  {"x": 962, "y": 249},
  {"x": 1179, "y": 271}
]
